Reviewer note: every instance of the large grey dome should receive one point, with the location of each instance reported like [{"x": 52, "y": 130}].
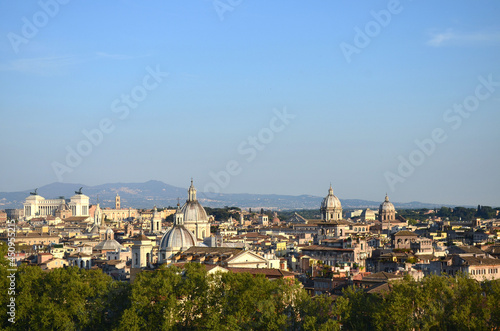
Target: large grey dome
[
  {"x": 194, "y": 212},
  {"x": 177, "y": 237}
]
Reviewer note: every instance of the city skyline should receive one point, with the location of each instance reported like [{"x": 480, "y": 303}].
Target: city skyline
[{"x": 253, "y": 97}]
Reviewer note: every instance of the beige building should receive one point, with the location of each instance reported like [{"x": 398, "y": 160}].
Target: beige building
[
  {"x": 118, "y": 213},
  {"x": 223, "y": 256},
  {"x": 37, "y": 239},
  {"x": 477, "y": 267},
  {"x": 54, "y": 264}
]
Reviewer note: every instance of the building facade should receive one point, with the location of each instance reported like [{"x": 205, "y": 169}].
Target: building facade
[{"x": 37, "y": 206}]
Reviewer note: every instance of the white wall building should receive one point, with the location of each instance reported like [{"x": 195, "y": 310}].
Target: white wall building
[{"x": 37, "y": 206}]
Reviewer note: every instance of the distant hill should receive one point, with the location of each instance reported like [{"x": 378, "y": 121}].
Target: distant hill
[{"x": 157, "y": 193}]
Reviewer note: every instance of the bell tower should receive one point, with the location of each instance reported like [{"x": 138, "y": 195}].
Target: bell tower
[
  {"x": 156, "y": 221},
  {"x": 142, "y": 255},
  {"x": 117, "y": 202}
]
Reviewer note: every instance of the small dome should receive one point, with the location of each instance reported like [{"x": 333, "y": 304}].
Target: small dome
[
  {"x": 330, "y": 201},
  {"x": 368, "y": 213},
  {"x": 177, "y": 237},
  {"x": 108, "y": 245},
  {"x": 387, "y": 205}
]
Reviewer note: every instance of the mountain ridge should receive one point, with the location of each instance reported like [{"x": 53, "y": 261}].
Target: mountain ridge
[{"x": 157, "y": 193}]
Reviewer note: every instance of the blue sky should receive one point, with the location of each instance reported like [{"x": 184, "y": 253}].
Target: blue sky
[{"x": 225, "y": 69}]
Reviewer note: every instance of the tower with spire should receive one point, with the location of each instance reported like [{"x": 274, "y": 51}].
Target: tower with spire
[
  {"x": 195, "y": 217},
  {"x": 179, "y": 215},
  {"x": 156, "y": 221},
  {"x": 98, "y": 214},
  {"x": 117, "y": 201},
  {"x": 191, "y": 192}
]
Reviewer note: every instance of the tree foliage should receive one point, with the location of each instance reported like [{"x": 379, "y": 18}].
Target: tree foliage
[
  {"x": 66, "y": 299},
  {"x": 170, "y": 298}
]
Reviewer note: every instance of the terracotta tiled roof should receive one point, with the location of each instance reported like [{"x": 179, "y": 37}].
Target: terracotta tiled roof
[
  {"x": 471, "y": 260},
  {"x": 382, "y": 276},
  {"x": 379, "y": 288},
  {"x": 406, "y": 233}
]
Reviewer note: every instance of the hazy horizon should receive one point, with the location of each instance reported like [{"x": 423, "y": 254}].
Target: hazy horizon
[
  {"x": 209, "y": 196},
  {"x": 255, "y": 97}
]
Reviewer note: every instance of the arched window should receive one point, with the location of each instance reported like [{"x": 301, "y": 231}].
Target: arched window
[{"x": 136, "y": 258}]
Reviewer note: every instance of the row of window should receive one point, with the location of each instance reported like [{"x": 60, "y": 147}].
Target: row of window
[
  {"x": 41, "y": 242},
  {"x": 483, "y": 271}
]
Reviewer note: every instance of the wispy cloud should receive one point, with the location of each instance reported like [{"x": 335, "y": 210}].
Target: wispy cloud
[
  {"x": 51, "y": 65},
  {"x": 42, "y": 65},
  {"x": 453, "y": 38}
]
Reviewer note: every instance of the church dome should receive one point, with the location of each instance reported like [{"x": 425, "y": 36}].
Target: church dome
[
  {"x": 177, "y": 237},
  {"x": 108, "y": 245},
  {"x": 331, "y": 201},
  {"x": 194, "y": 212},
  {"x": 387, "y": 205}
]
